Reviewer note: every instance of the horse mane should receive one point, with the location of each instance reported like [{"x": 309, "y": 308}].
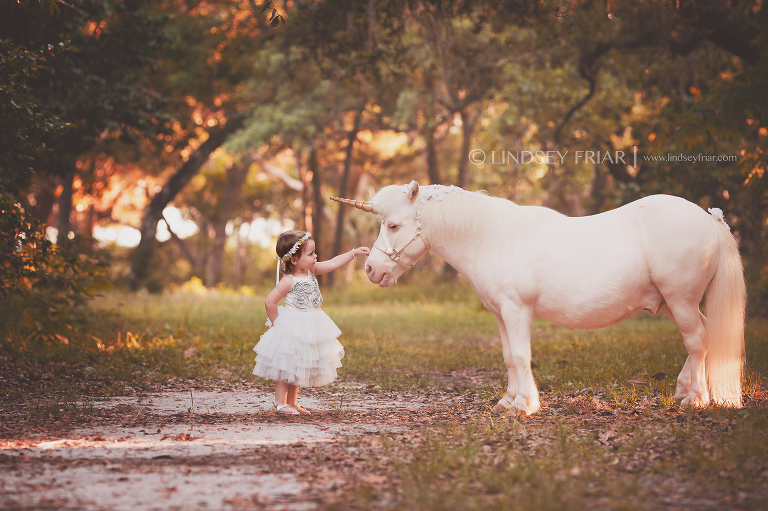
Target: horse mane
[{"x": 455, "y": 213}]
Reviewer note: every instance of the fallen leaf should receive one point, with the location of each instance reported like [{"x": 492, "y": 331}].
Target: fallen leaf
[
  {"x": 604, "y": 436},
  {"x": 374, "y": 479}
]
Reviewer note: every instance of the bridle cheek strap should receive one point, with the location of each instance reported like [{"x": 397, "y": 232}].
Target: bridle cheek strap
[{"x": 395, "y": 254}]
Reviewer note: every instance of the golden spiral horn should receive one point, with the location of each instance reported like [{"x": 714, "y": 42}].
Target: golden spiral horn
[{"x": 365, "y": 206}]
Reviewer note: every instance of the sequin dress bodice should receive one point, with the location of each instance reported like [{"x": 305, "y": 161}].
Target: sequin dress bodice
[{"x": 305, "y": 294}]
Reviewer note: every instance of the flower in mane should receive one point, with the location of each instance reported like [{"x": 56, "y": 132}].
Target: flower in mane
[{"x": 435, "y": 191}]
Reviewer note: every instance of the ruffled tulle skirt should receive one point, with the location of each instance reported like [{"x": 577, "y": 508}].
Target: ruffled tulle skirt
[{"x": 300, "y": 349}]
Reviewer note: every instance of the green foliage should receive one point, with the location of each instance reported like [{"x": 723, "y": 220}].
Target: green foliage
[
  {"x": 101, "y": 89},
  {"x": 26, "y": 126},
  {"x": 43, "y": 290}
]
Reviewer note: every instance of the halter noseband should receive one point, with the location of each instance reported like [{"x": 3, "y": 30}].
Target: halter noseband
[{"x": 394, "y": 253}]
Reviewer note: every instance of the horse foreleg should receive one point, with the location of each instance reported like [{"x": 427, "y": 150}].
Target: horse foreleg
[
  {"x": 518, "y": 326},
  {"x": 505, "y": 403}
]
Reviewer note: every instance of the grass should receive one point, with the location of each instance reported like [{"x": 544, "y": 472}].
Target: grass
[
  {"x": 531, "y": 463},
  {"x": 59, "y": 400},
  {"x": 410, "y": 337},
  {"x": 398, "y": 338}
]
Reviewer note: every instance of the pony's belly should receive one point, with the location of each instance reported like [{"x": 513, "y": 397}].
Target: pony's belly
[
  {"x": 595, "y": 318},
  {"x": 597, "y": 311}
]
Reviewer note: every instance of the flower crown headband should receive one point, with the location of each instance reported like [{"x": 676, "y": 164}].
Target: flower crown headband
[
  {"x": 289, "y": 254},
  {"x": 295, "y": 247}
]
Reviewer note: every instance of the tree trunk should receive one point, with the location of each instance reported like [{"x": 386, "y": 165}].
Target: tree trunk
[
  {"x": 215, "y": 262},
  {"x": 432, "y": 170},
  {"x": 241, "y": 259},
  {"x": 343, "y": 190},
  {"x": 467, "y": 126},
  {"x": 63, "y": 221},
  {"x": 45, "y": 198},
  {"x": 598, "y": 192},
  {"x": 153, "y": 212},
  {"x": 306, "y": 194},
  {"x": 90, "y": 219},
  {"x": 232, "y": 188},
  {"x": 372, "y": 26},
  {"x": 185, "y": 247},
  {"x": 317, "y": 202}
]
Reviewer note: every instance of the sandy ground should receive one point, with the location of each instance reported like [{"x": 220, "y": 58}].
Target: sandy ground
[
  {"x": 213, "y": 449},
  {"x": 198, "y": 446}
]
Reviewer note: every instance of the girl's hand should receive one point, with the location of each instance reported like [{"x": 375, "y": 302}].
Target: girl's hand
[
  {"x": 339, "y": 261},
  {"x": 361, "y": 251}
]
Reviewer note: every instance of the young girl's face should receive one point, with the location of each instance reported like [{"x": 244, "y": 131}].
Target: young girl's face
[{"x": 308, "y": 258}]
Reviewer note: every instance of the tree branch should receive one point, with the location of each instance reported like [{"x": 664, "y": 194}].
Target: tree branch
[
  {"x": 588, "y": 70},
  {"x": 153, "y": 212}
]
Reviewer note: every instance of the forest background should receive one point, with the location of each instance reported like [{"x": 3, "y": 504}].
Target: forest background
[{"x": 151, "y": 143}]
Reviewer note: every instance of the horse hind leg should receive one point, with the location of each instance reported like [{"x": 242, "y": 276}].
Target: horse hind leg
[
  {"x": 505, "y": 403},
  {"x": 684, "y": 378},
  {"x": 683, "y": 382},
  {"x": 691, "y": 387}
]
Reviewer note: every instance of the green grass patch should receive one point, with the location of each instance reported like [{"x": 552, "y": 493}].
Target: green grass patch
[
  {"x": 398, "y": 338},
  {"x": 544, "y": 463}
]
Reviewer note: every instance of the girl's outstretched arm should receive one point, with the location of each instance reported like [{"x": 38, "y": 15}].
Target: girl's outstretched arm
[
  {"x": 339, "y": 261},
  {"x": 277, "y": 294}
]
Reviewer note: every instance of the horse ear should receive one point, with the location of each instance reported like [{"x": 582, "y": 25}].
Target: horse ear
[{"x": 413, "y": 191}]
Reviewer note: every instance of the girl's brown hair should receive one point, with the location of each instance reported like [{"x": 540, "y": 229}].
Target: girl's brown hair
[{"x": 285, "y": 242}]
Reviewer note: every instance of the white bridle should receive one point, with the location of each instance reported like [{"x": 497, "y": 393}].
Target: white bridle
[
  {"x": 395, "y": 253},
  {"x": 392, "y": 253}
]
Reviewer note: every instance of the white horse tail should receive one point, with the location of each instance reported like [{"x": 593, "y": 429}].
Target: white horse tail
[{"x": 725, "y": 306}]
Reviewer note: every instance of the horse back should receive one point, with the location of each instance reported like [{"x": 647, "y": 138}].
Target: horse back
[{"x": 611, "y": 265}]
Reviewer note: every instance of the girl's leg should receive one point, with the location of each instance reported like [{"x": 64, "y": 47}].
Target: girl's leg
[
  {"x": 293, "y": 393},
  {"x": 282, "y": 393}
]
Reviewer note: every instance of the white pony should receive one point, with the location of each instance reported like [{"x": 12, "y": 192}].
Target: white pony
[{"x": 659, "y": 253}]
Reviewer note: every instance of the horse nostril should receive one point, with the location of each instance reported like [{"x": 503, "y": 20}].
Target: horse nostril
[{"x": 368, "y": 268}]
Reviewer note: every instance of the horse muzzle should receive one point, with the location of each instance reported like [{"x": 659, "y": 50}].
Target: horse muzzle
[{"x": 378, "y": 272}]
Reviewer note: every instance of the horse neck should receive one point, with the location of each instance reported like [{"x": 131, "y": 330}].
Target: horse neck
[{"x": 464, "y": 230}]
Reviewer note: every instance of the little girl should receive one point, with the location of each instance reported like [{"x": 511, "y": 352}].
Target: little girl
[{"x": 300, "y": 348}]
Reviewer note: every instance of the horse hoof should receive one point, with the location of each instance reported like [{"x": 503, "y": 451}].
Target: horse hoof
[
  {"x": 694, "y": 401},
  {"x": 499, "y": 408},
  {"x": 520, "y": 407}
]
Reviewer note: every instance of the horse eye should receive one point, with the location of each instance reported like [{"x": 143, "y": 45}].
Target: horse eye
[{"x": 392, "y": 227}]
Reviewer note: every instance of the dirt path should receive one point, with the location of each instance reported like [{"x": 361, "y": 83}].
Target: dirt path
[
  {"x": 196, "y": 447},
  {"x": 214, "y": 449}
]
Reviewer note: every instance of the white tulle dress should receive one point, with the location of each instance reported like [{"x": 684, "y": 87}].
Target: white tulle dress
[{"x": 301, "y": 348}]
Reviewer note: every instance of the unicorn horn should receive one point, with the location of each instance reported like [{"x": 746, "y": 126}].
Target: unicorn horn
[{"x": 365, "y": 206}]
